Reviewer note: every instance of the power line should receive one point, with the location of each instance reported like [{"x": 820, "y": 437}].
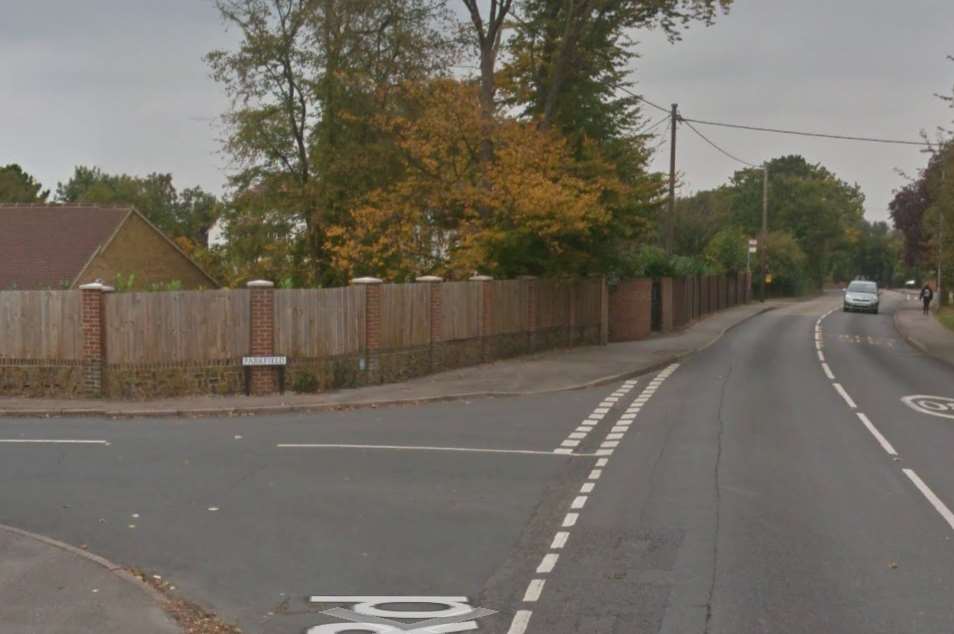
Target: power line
[
  {"x": 821, "y": 135},
  {"x": 713, "y": 144},
  {"x": 643, "y": 99},
  {"x": 649, "y": 129}
]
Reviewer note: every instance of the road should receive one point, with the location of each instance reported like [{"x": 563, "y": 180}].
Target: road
[{"x": 775, "y": 482}]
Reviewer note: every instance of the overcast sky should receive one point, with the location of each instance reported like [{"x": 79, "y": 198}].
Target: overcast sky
[{"x": 121, "y": 84}]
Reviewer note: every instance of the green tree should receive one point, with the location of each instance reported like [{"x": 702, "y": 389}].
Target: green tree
[
  {"x": 806, "y": 200},
  {"x": 16, "y": 186},
  {"x": 786, "y": 263},
  {"x": 190, "y": 214},
  {"x": 305, "y": 80},
  {"x": 727, "y": 250}
]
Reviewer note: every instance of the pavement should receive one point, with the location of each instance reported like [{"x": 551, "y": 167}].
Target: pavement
[
  {"x": 793, "y": 477},
  {"x": 551, "y": 371},
  {"x": 922, "y": 331},
  {"x": 50, "y": 588}
]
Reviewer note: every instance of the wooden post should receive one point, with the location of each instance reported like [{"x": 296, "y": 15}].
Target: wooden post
[
  {"x": 486, "y": 313},
  {"x": 436, "y": 312}
]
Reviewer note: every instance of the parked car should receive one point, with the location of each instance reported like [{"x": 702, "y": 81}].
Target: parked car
[{"x": 862, "y": 296}]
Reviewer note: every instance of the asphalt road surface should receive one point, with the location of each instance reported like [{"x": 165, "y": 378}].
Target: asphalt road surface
[{"x": 776, "y": 482}]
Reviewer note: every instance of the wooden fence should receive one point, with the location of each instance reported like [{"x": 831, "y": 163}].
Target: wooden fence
[
  {"x": 41, "y": 325},
  {"x": 319, "y": 322}
]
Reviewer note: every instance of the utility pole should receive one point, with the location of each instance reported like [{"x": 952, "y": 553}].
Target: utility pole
[
  {"x": 940, "y": 233},
  {"x": 762, "y": 250},
  {"x": 670, "y": 224}
]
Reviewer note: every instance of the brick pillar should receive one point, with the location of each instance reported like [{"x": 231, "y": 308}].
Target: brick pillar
[
  {"x": 93, "y": 322},
  {"x": 263, "y": 379},
  {"x": 533, "y": 309},
  {"x": 486, "y": 314},
  {"x": 371, "y": 361},
  {"x": 436, "y": 314},
  {"x": 604, "y": 311},
  {"x": 666, "y": 292}
]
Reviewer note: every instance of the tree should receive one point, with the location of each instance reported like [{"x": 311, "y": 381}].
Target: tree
[
  {"x": 541, "y": 214},
  {"x": 190, "y": 214},
  {"x": 818, "y": 209},
  {"x": 571, "y": 57},
  {"x": 16, "y": 186},
  {"x": 727, "y": 250},
  {"x": 305, "y": 81}
]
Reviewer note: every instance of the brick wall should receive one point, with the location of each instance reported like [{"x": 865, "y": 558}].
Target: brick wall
[{"x": 262, "y": 379}]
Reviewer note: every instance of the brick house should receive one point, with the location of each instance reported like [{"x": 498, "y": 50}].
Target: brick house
[{"x": 65, "y": 246}]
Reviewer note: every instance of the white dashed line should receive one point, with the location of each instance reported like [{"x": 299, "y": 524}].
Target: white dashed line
[
  {"x": 602, "y": 462},
  {"x": 579, "y": 503},
  {"x": 844, "y": 395},
  {"x": 534, "y": 590},
  {"x": 926, "y": 491},
  {"x": 587, "y": 487},
  {"x": 595, "y": 474},
  {"x": 521, "y": 620},
  {"x": 877, "y": 434},
  {"x": 51, "y": 441},
  {"x": 828, "y": 371},
  {"x": 570, "y": 520},
  {"x": 548, "y": 563},
  {"x": 559, "y": 540}
]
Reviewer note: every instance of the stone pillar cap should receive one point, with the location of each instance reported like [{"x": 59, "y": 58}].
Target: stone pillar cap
[
  {"x": 481, "y": 278},
  {"x": 367, "y": 280},
  {"x": 429, "y": 278},
  {"x": 260, "y": 284},
  {"x": 96, "y": 286}
]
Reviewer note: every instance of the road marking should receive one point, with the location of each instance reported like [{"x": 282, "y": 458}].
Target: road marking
[
  {"x": 604, "y": 452},
  {"x": 521, "y": 620},
  {"x": 620, "y": 429},
  {"x": 563, "y": 452},
  {"x": 601, "y": 410},
  {"x": 526, "y": 452},
  {"x": 570, "y": 443},
  {"x": 877, "y": 434},
  {"x": 559, "y": 540},
  {"x": 844, "y": 395},
  {"x": 579, "y": 502},
  {"x": 51, "y": 441},
  {"x": 534, "y": 590},
  {"x": 570, "y": 520},
  {"x": 602, "y": 462},
  {"x": 615, "y": 436},
  {"x": 609, "y": 444},
  {"x": 587, "y": 487},
  {"x": 548, "y": 563},
  {"x": 926, "y": 491},
  {"x": 595, "y": 474},
  {"x": 941, "y": 406},
  {"x": 828, "y": 371},
  {"x": 578, "y": 435},
  {"x": 821, "y": 355}
]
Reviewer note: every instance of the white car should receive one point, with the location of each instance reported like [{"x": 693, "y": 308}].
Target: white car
[{"x": 862, "y": 297}]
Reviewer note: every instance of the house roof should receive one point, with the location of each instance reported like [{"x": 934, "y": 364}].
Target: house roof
[{"x": 46, "y": 246}]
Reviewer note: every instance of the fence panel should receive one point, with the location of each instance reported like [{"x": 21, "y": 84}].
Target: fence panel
[
  {"x": 553, "y": 297},
  {"x": 323, "y": 322},
  {"x": 589, "y": 298},
  {"x": 460, "y": 311},
  {"x": 511, "y": 300},
  {"x": 43, "y": 325},
  {"x": 405, "y": 315},
  {"x": 177, "y": 326}
]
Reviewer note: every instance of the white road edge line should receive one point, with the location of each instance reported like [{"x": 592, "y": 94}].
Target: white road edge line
[
  {"x": 887, "y": 446},
  {"x": 926, "y": 491},
  {"x": 844, "y": 395}
]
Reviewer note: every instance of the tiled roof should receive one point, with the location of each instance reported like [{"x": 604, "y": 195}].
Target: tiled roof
[{"x": 46, "y": 246}]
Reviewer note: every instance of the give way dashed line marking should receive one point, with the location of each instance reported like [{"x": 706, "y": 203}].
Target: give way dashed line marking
[
  {"x": 52, "y": 441},
  {"x": 521, "y": 619}
]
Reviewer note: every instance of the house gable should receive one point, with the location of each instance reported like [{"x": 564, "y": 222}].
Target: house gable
[{"x": 140, "y": 250}]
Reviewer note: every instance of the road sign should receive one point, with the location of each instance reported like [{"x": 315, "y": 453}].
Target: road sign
[
  {"x": 753, "y": 243},
  {"x": 752, "y": 249}
]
